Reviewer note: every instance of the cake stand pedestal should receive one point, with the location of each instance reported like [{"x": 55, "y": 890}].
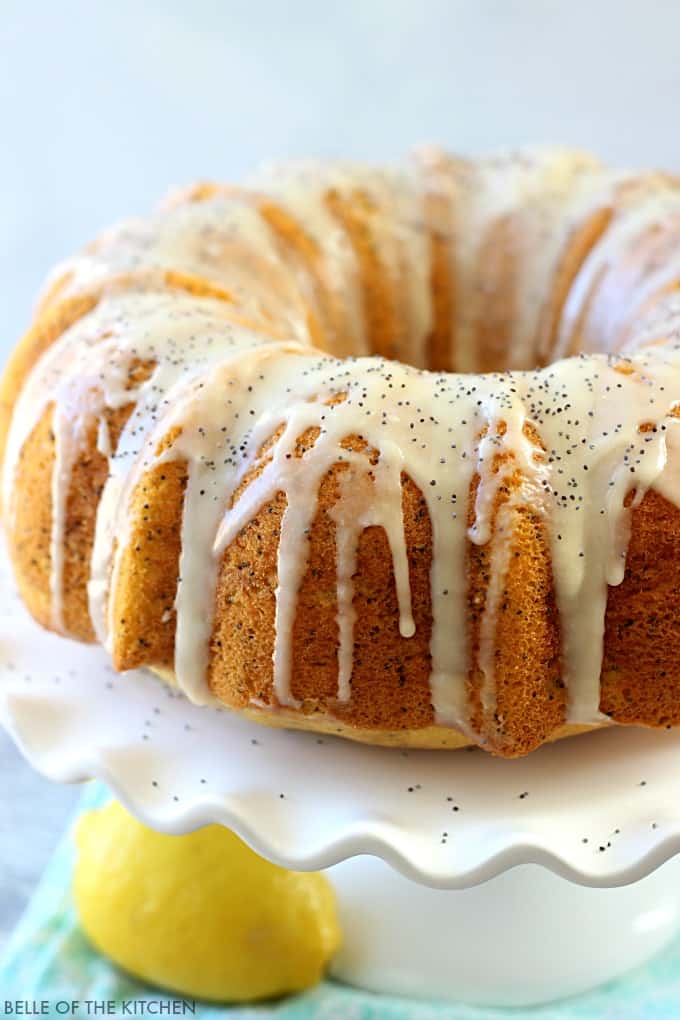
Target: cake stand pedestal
[
  {"x": 458, "y": 876},
  {"x": 522, "y": 938}
]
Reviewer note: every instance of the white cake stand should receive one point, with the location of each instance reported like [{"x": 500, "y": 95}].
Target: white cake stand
[{"x": 487, "y": 881}]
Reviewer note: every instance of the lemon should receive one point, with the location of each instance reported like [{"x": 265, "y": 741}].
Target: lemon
[{"x": 201, "y": 914}]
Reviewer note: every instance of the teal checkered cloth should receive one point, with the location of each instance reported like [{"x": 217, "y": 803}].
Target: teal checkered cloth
[{"x": 49, "y": 959}]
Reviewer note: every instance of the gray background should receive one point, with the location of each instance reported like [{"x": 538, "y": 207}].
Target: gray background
[{"x": 103, "y": 106}]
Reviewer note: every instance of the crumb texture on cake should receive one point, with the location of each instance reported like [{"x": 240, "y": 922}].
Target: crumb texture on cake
[{"x": 387, "y": 452}]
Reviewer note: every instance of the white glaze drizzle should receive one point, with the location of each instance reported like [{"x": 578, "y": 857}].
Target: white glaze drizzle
[
  {"x": 650, "y": 202},
  {"x": 544, "y": 192},
  {"x": 348, "y": 516}
]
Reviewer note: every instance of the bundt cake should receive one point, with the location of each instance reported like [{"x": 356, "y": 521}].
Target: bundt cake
[{"x": 389, "y": 453}]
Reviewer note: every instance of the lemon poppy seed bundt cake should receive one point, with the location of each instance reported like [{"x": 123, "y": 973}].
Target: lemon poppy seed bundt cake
[{"x": 390, "y": 453}]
